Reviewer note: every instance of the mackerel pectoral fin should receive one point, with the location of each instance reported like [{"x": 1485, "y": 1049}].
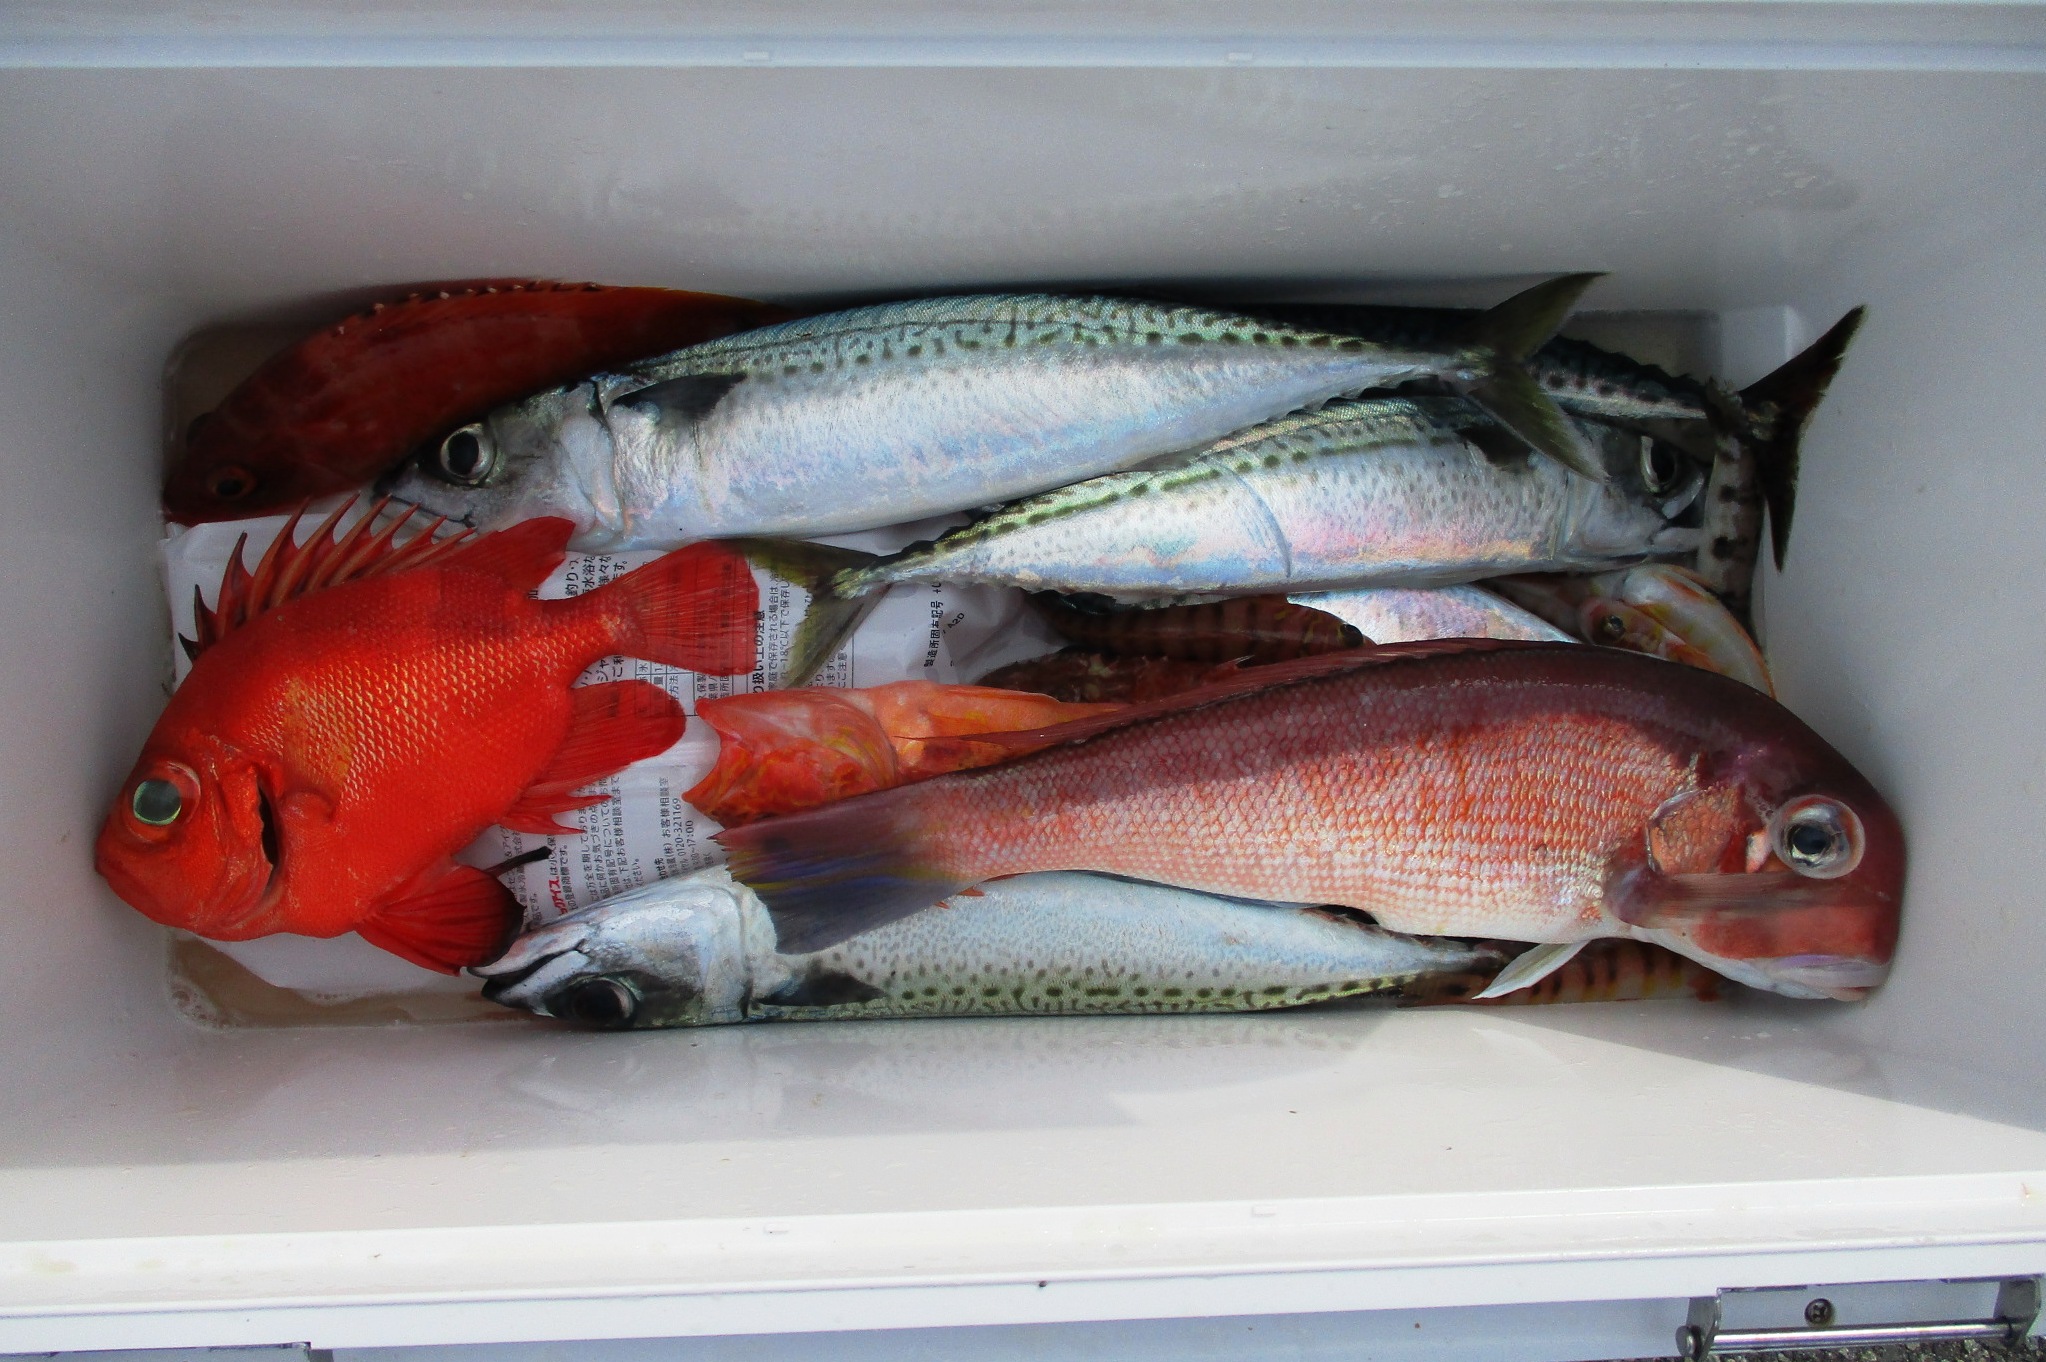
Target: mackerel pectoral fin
[
  {"x": 830, "y": 617},
  {"x": 1501, "y": 341},
  {"x": 1517, "y": 402},
  {"x": 691, "y": 397},
  {"x": 1779, "y": 406},
  {"x": 1530, "y": 967}
]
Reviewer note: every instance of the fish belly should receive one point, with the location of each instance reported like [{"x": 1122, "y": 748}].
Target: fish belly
[
  {"x": 815, "y": 453},
  {"x": 1436, "y": 808},
  {"x": 1404, "y": 614},
  {"x": 1074, "y": 943}
]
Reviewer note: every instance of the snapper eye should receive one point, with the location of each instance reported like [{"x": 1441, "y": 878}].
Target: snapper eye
[
  {"x": 466, "y": 457},
  {"x": 157, "y": 803},
  {"x": 1817, "y": 837}
]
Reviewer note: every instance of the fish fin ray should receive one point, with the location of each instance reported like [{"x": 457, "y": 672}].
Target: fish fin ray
[
  {"x": 1503, "y": 339},
  {"x": 690, "y": 397},
  {"x": 465, "y": 917},
  {"x": 1524, "y": 323},
  {"x": 522, "y": 556},
  {"x": 830, "y": 873},
  {"x": 696, "y": 608},
  {"x": 289, "y": 570},
  {"x": 1512, "y": 397},
  {"x": 830, "y": 617},
  {"x": 1246, "y": 681},
  {"x": 613, "y": 725},
  {"x": 1529, "y": 968},
  {"x": 1782, "y": 403}
]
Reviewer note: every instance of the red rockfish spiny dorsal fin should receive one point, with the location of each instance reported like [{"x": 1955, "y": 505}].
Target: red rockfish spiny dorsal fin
[{"x": 289, "y": 569}]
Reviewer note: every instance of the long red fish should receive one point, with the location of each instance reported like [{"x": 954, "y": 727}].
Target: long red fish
[
  {"x": 781, "y": 751},
  {"x": 1534, "y": 792},
  {"x": 337, "y": 409},
  {"x": 325, "y": 760}
]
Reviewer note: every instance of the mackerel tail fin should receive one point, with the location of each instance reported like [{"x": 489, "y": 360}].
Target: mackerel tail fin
[
  {"x": 831, "y": 617},
  {"x": 833, "y": 872},
  {"x": 1779, "y": 406},
  {"x": 1497, "y": 346}
]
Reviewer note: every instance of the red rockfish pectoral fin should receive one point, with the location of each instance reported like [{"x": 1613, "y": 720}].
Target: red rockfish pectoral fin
[
  {"x": 613, "y": 725},
  {"x": 465, "y": 917},
  {"x": 696, "y": 608}
]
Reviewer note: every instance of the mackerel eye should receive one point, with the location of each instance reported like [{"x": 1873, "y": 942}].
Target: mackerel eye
[
  {"x": 1660, "y": 467},
  {"x": 600, "y": 1002},
  {"x": 468, "y": 457},
  {"x": 157, "y": 803},
  {"x": 1817, "y": 837}
]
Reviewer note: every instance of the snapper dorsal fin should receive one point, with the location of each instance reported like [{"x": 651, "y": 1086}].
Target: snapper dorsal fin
[
  {"x": 1250, "y": 680},
  {"x": 289, "y": 569}
]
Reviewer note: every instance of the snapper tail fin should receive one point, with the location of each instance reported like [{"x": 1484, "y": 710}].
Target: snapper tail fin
[
  {"x": 1779, "y": 406},
  {"x": 837, "y": 605},
  {"x": 833, "y": 872},
  {"x": 1499, "y": 342},
  {"x": 696, "y": 608}
]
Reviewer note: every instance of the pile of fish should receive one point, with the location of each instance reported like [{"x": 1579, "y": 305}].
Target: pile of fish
[{"x": 1407, "y": 657}]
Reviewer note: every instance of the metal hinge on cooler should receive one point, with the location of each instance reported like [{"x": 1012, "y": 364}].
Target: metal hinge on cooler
[{"x": 1858, "y": 1316}]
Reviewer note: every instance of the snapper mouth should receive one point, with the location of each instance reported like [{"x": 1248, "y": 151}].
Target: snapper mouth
[
  {"x": 1838, "y": 978},
  {"x": 1843, "y": 978}
]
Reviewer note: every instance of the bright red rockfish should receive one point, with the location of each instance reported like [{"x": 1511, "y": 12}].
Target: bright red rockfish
[
  {"x": 781, "y": 751},
  {"x": 324, "y": 760},
  {"x": 1532, "y": 792}
]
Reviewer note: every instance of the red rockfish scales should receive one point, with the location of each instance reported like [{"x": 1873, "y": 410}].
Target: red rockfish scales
[{"x": 356, "y": 715}]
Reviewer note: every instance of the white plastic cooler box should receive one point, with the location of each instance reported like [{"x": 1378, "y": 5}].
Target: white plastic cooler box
[{"x": 1749, "y": 170}]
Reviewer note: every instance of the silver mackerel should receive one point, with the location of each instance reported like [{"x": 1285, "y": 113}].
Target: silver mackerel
[
  {"x": 879, "y": 415},
  {"x": 1382, "y": 492},
  {"x": 699, "y": 950}
]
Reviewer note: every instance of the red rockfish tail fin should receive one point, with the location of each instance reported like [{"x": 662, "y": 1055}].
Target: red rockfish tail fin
[
  {"x": 697, "y": 608},
  {"x": 831, "y": 873},
  {"x": 614, "y": 725}
]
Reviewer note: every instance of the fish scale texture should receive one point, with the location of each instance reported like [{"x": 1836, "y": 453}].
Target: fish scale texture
[
  {"x": 466, "y": 664},
  {"x": 1399, "y": 794},
  {"x": 1358, "y": 493},
  {"x": 881, "y": 415}
]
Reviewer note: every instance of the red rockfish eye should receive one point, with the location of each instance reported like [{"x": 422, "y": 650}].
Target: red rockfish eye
[{"x": 161, "y": 798}]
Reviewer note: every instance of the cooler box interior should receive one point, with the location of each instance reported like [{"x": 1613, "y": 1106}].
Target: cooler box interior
[{"x": 163, "y": 1182}]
